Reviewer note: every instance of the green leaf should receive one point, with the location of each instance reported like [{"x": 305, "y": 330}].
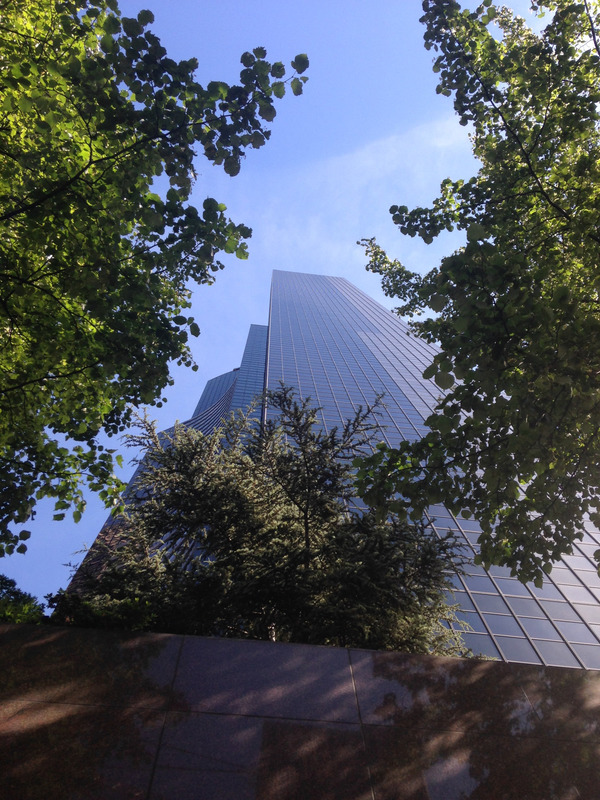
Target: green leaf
[
  {"x": 437, "y": 302},
  {"x": 131, "y": 27},
  {"x": 25, "y": 103},
  {"x": 300, "y": 63},
  {"x": 443, "y": 423},
  {"x": 296, "y": 85},
  {"x": 111, "y": 27},
  {"x": 231, "y": 165},
  {"x": 278, "y": 89},
  {"x": 107, "y": 43},
  {"x": 145, "y": 17},
  {"x": 476, "y": 232},
  {"x": 267, "y": 112},
  {"x": 444, "y": 380}
]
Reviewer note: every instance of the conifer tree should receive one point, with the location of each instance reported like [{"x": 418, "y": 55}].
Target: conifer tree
[{"x": 251, "y": 531}]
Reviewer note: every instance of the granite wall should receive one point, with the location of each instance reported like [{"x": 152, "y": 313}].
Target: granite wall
[{"x": 95, "y": 714}]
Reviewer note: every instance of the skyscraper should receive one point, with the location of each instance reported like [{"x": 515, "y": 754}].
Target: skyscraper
[{"x": 334, "y": 344}]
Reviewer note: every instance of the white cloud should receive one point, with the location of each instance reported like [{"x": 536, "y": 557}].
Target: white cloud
[{"x": 309, "y": 218}]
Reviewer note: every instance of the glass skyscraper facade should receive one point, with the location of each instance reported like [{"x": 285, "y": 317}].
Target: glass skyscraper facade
[{"x": 339, "y": 347}]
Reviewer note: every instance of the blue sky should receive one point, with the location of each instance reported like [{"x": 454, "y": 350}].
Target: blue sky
[{"x": 369, "y": 131}]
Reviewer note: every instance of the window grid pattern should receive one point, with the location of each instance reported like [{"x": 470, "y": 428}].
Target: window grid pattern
[
  {"x": 210, "y": 418},
  {"x": 214, "y": 390},
  {"x": 338, "y": 346},
  {"x": 236, "y": 389},
  {"x": 251, "y": 377}
]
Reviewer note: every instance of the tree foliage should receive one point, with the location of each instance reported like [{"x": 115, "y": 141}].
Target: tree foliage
[
  {"x": 515, "y": 441},
  {"x": 98, "y": 133},
  {"x": 251, "y": 532},
  {"x": 17, "y": 605}
]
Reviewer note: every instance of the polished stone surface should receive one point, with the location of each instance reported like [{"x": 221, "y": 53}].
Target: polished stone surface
[
  {"x": 88, "y": 715},
  {"x": 290, "y": 681}
]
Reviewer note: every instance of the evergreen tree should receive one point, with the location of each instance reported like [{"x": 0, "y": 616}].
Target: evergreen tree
[{"x": 251, "y": 531}]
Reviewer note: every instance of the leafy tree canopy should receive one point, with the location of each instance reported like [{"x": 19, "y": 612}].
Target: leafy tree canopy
[
  {"x": 252, "y": 533},
  {"x": 17, "y": 605},
  {"x": 95, "y": 255},
  {"x": 515, "y": 441}
]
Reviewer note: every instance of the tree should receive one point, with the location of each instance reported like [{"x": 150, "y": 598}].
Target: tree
[
  {"x": 251, "y": 532},
  {"x": 98, "y": 130},
  {"x": 515, "y": 439},
  {"x": 17, "y": 605}
]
